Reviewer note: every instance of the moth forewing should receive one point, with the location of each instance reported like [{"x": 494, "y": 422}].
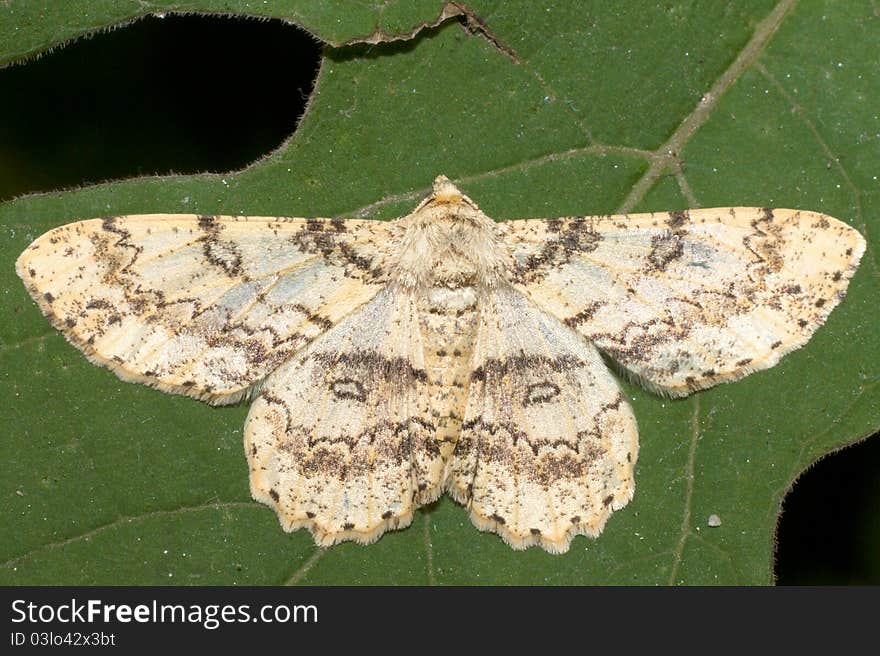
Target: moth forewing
[
  {"x": 201, "y": 305},
  {"x": 686, "y": 300}
]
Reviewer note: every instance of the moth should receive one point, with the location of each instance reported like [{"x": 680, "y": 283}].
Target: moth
[{"x": 389, "y": 362}]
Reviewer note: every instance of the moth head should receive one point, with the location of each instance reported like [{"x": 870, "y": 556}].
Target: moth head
[
  {"x": 446, "y": 202},
  {"x": 445, "y": 192}
]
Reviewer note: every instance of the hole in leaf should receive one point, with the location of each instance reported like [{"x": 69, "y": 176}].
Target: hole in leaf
[
  {"x": 828, "y": 531},
  {"x": 182, "y": 94}
]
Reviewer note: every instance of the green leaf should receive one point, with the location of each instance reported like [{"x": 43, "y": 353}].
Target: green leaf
[{"x": 554, "y": 109}]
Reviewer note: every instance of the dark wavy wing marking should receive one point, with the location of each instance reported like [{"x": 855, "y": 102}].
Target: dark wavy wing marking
[
  {"x": 341, "y": 439},
  {"x": 685, "y": 300},
  {"x": 204, "y": 306},
  {"x": 548, "y": 443}
]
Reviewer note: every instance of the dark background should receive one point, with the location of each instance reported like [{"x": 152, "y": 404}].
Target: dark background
[{"x": 147, "y": 99}]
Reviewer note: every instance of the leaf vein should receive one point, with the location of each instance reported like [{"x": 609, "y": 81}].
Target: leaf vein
[
  {"x": 678, "y": 551},
  {"x": 304, "y": 569},
  {"x": 221, "y": 505},
  {"x": 666, "y": 156}
]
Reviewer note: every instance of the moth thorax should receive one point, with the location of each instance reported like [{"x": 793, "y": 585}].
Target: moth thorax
[
  {"x": 453, "y": 247},
  {"x": 454, "y": 271}
]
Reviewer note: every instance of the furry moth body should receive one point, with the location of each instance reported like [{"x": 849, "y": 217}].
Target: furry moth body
[{"x": 392, "y": 361}]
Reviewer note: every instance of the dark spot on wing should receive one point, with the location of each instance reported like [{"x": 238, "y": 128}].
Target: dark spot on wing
[
  {"x": 542, "y": 392},
  {"x": 207, "y": 223},
  {"x": 677, "y": 219},
  {"x": 223, "y": 254},
  {"x": 348, "y": 388},
  {"x": 665, "y": 248}
]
